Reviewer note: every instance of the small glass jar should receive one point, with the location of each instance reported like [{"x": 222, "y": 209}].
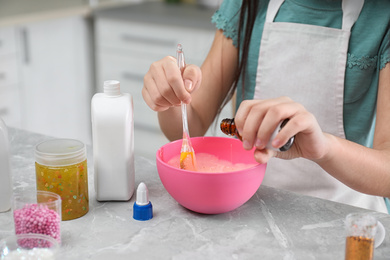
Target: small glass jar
[
  {"x": 361, "y": 229},
  {"x": 61, "y": 167},
  {"x": 37, "y": 212}
]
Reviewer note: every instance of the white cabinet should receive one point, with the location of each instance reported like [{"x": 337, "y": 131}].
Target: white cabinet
[
  {"x": 128, "y": 41},
  {"x": 56, "y": 73},
  {"x": 9, "y": 78},
  {"x": 46, "y": 79}
]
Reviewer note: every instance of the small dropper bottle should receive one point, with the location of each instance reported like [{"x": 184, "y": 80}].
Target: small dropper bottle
[
  {"x": 228, "y": 127},
  {"x": 142, "y": 208}
]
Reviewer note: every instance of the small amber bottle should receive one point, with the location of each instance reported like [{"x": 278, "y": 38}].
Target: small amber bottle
[{"x": 228, "y": 127}]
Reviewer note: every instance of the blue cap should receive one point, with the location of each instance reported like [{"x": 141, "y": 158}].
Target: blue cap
[
  {"x": 142, "y": 209},
  {"x": 143, "y": 212}
]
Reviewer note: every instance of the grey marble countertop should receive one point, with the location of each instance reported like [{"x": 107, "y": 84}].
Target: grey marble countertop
[{"x": 273, "y": 224}]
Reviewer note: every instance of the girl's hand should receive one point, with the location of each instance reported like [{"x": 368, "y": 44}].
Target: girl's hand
[
  {"x": 257, "y": 119},
  {"x": 166, "y": 86}
]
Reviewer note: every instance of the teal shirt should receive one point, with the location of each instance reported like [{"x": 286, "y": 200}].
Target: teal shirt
[{"x": 368, "y": 52}]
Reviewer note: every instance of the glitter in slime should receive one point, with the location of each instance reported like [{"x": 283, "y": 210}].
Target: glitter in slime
[
  {"x": 70, "y": 182},
  {"x": 211, "y": 163},
  {"x": 33, "y": 254},
  {"x": 61, "y": 168},
  {"x": 36, "y": 218}
]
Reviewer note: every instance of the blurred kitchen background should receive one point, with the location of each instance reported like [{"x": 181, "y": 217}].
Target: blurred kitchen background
[{"x": 55, "y": 54}]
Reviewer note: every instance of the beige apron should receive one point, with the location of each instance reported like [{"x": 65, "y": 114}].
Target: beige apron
[{"x": 307, "y": 63}]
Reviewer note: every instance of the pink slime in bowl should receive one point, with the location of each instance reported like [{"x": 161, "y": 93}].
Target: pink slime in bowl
[{"x": 205, "y": 192}]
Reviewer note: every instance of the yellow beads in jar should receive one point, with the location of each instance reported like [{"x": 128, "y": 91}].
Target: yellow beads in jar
[{"x": 61, "y": 167}]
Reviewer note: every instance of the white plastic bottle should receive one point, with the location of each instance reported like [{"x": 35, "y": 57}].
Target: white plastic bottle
[
  {"x": 5, "y": 173},
  {"x": 113, "y": 143}
]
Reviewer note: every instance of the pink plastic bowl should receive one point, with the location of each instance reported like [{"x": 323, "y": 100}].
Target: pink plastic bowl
[{"x": 210, "y": 193}]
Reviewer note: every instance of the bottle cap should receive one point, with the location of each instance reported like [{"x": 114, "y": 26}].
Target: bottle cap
[
  {"x": 287, "y": 145},
  {"x": 142, "y": 208},
  {"x": 112, "y": 87}
]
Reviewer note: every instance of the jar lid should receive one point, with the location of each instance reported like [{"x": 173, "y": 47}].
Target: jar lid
[{"x": 60, "y": 152}]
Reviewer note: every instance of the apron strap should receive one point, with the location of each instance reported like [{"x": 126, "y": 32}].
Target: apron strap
[
  {"x": 273, "y": 8},
  {"x": 351, "y": 12}
]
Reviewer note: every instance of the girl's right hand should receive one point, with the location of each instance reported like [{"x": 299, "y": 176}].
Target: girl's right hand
[{"x": 166, "y": 86}]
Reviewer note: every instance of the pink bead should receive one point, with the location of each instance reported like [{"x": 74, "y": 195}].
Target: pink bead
[{"x": 34, "y": 218}]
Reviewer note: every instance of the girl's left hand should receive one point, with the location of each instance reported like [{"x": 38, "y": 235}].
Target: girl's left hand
[{"x": 257, "y": 119}]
